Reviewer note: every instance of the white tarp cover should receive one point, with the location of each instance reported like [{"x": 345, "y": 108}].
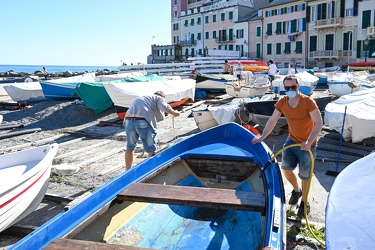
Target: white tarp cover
[
  {"x": 226, "y": 112},
  {"x": 350, "y": 207},
  {"x": 86, "y": 77},
  {"x": 175, "y": 90},
  {"x": 24, "y": 90},
  {"x": 360, "y": 115}
]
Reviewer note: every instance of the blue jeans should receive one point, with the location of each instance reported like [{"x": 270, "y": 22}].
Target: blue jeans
[
  {"x": 136, "y": 129},
  {"x": 294, "y": 155}
]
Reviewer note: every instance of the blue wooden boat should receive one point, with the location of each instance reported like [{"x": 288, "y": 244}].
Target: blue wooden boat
[
  {"x": 63, "y": 88},
  {"x": 213, "y": 190}
]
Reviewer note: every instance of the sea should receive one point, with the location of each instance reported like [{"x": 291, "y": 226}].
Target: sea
[{"x": 53, "y": 68}]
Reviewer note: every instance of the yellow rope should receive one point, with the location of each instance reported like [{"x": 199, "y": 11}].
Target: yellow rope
[{"x": 308, "y": 185}]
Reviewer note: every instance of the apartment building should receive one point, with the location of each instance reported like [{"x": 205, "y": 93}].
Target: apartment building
[
  {"x": 305, "y": 33},
  {"x": 204, "y": 26},
  {"x": 284, "y": 33}
]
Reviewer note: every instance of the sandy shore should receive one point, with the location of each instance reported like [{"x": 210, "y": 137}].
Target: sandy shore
[{"x": 68, "y": 121}]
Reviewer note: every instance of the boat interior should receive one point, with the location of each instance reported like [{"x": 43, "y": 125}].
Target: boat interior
[{"x": 193, "y": 202}]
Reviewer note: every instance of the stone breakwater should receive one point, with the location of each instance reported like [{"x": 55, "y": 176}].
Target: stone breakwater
[{"x": 38, "y": 73}]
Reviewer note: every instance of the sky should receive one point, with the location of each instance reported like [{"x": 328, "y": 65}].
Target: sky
[{"x": 82, "y": 32}]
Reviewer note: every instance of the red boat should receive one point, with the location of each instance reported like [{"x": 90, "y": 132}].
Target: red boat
[
  {"x": 361, "y": 65},
  {"x": 253, "y": 66}
]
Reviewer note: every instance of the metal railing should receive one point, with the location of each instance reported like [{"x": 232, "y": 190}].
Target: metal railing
[
  {"x": 327, "y": 54},
  {"x": 332, "y": 22}
]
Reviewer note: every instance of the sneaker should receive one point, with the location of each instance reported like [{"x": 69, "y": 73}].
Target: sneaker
[
  {"x": 301, "y": 210},
  {"x": 295, "y": 197}
]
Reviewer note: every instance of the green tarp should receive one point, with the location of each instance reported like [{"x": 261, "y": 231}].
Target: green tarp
[{"x": 96, "y": 97}]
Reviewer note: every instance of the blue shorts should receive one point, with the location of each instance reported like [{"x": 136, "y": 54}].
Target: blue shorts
[
  {"x": 294, "y": 155},
  {"x": 136, "y": 129}
]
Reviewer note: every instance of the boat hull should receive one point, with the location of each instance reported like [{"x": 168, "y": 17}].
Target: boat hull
[
  {"x": 245, "y": 91},
  {"x": 24, "y": 177},
  {"x": 63, "y": 88},
  {"x": 213, "y": 82}
]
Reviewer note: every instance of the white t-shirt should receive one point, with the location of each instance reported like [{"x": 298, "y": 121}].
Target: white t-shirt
[{"x": 272, "y": 69}]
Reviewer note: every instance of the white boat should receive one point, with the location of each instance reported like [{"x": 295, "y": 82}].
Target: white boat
[
  {"x": 342, "y": 83},
  {"x": 176, "y": 89},
  {"x": 248, "y": 85},
  {"x": 204, "y": 119},
  {"x": 307, "y": 81},
  {"x": 24, "y": 91},
  {"x": 360, "y": 116},
  {"x": 1, "y": 119},
  {"x": 24, "y": 179},
  {"x": 213, "y": 82},
  {"x": 350, "y": 207},
  {"x": 208, "y": 116}
]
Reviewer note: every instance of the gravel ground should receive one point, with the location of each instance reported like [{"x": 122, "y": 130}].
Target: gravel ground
[{"x": 75, "y": 128}]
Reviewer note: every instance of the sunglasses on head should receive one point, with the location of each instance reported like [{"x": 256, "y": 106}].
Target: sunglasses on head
[{"x": 294, "y": 87}]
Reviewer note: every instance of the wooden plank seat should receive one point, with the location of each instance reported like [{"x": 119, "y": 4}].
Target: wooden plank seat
[
  {"x": 69, "y": 244},
  {"x": 195, "y": 196}
]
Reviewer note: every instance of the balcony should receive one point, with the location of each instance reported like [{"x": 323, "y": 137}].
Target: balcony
[
  {"x": 224, "y": 39},
  {"x": 331, "y": 23},
  {"x": 188, "y": 43},
  {"x": 371, "y": 31},
  {"x": 327, "y": 54}
]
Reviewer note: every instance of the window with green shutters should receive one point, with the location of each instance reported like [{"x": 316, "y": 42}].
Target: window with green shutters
[
  {"x": 258, "y": 50},
  {"x": 313, "y": 43},
  {"x": 298, "y": 49},
  {"x": 278, "y": 28},
  {"x": 269, "y": 49},
  {"x": 230, "y": 15},
  {"x": 287, "y": 48},
  {"x": 269, "y": 29},
  {"x": 259, "y": 31},
  {"x": 206, "y": 19},
  {"x": 214, "y": 18},
  {"x": 329, "y": 42},
  {"x": 214, "y": 34},
  {"x": 222, "y": 17},
  {"x": 347, "y": 45},
  {"x": 366, "y": 17},
  {"x": 278, "y": 48},
  {"x": 207, "y": 36}
]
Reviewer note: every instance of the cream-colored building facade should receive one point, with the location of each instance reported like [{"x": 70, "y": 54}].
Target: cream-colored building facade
[{"x": 305, "y": 33}]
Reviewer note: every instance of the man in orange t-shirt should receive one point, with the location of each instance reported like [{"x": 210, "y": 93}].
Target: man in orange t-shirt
[{"x": 304, "y": 123}]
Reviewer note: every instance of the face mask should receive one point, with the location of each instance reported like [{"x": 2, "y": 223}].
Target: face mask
[{"x": 291, "y": 93}]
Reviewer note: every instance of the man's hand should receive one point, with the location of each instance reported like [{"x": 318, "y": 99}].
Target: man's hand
[
  {"x": 257, "y": 139},
  {"x": 306, "y": 146},
  {"x": 175, "y": 113}
]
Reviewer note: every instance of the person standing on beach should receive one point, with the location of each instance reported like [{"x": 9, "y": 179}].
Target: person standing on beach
[
  {"x": 45, "y": 73},
  {"x": 304, "y": 125},
  {"x": 226, "y": 67},
  {"x": 272, "y": 70},
  {"x": 141, "y": 122}
]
